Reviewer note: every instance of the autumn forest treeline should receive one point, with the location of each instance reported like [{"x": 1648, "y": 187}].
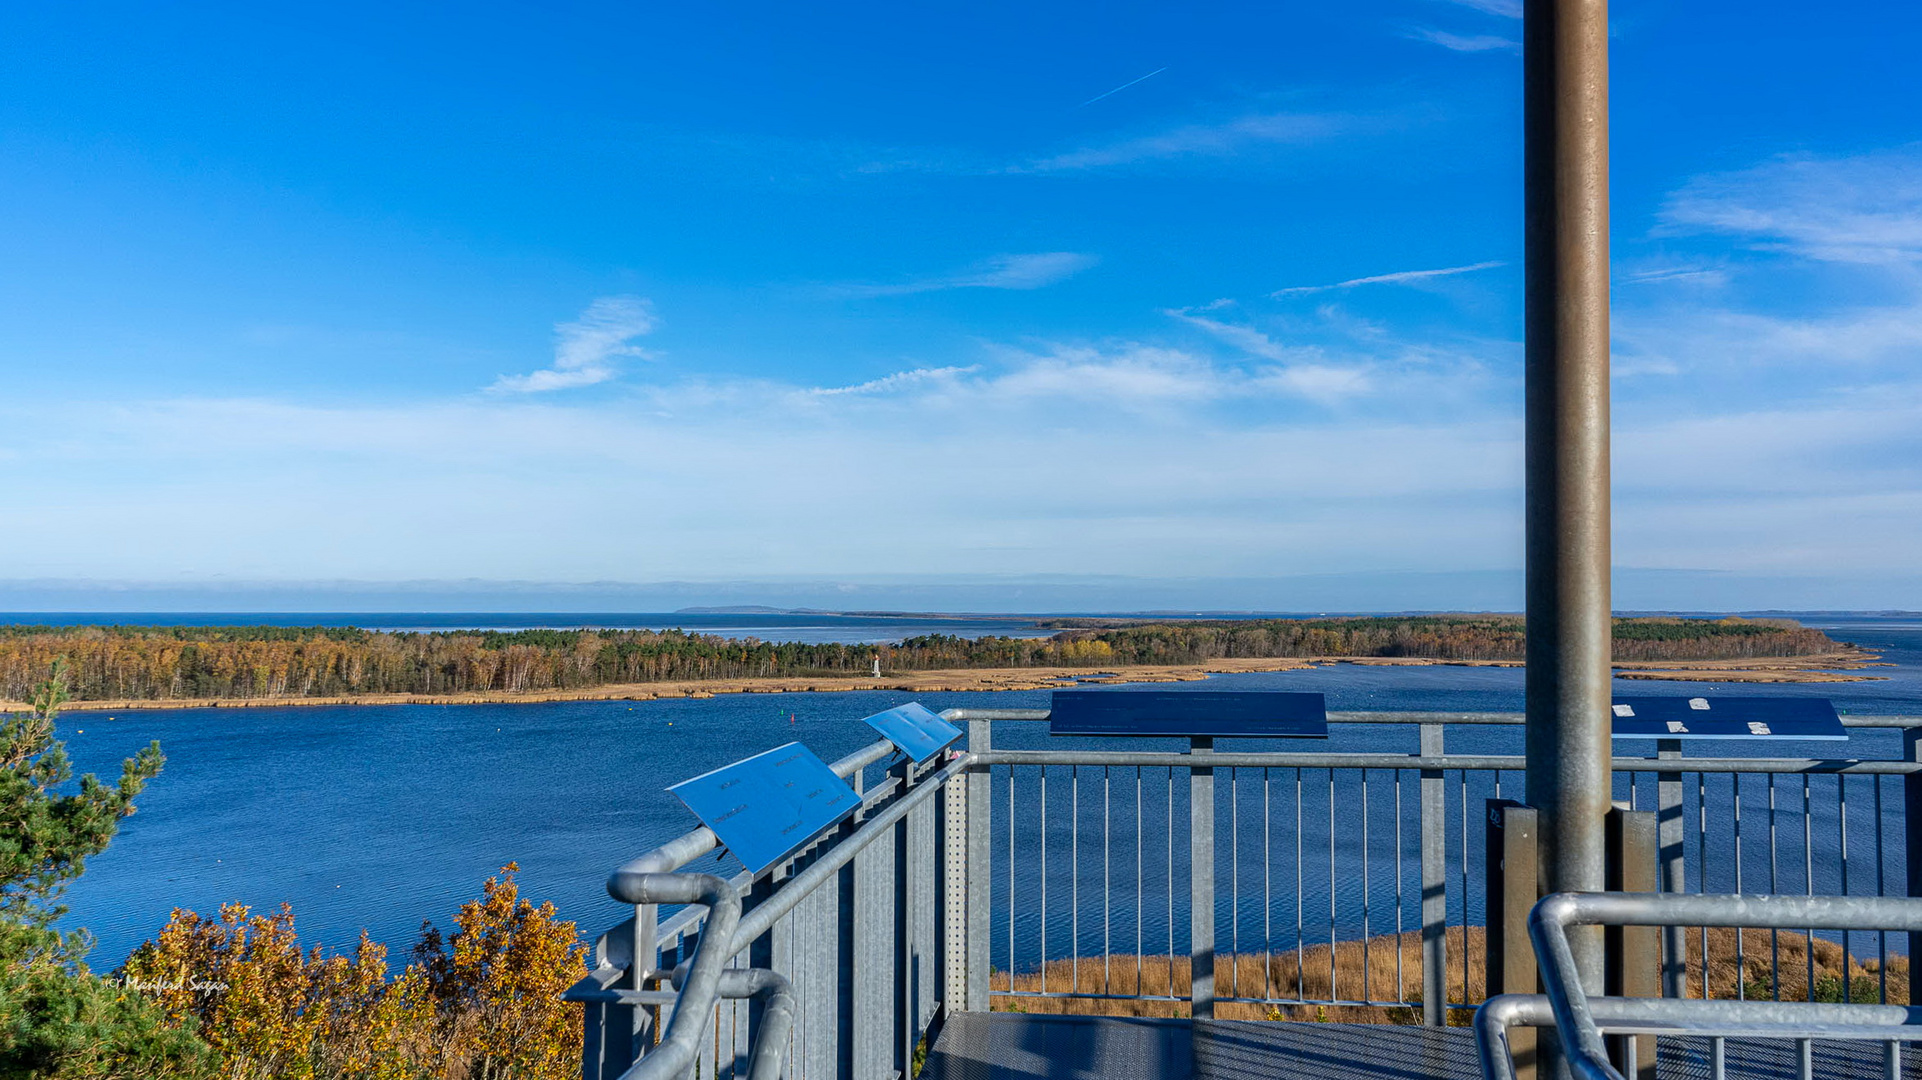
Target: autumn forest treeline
[{"x": 159, "y": 663}]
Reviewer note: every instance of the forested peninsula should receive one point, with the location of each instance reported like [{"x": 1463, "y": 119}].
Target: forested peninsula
[{"x": 265, "y": 663}]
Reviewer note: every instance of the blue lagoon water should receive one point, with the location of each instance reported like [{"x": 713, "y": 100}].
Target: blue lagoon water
[{"x": 381, "y": 817}]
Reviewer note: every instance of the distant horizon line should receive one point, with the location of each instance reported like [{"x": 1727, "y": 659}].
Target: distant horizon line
[
  {"x": 1639, "y": 590},
  {"x": 19, "y": 616}
]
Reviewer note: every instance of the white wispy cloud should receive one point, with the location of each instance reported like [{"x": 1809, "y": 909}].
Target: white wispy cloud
[
  {"x": 1172, "y": 456},
  {"x": 1507, "y": 9},
  {"x": 1300, "y": 371},
  {"x": 900, "y": 380},
  {"x": 1863, "y": 209},
  {"x": 1671, "y": 273},
  {"x": 586, "y": 349},
  {"x": 1031, "y": 271},
  {"x": 1399, "y": 277},
  {"x": 998, "y": 469},
  {"x": 1468, "y": 43},
  {"x": 1196, "y": 140}
]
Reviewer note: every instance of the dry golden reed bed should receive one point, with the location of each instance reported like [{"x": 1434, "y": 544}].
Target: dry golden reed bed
[
  {"x": 1812, "y": 669},
  {"x": 1285, "y": 976}
]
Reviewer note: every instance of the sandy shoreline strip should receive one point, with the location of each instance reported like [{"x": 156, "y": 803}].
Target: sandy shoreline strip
[{"x": 1826, "y": 668}]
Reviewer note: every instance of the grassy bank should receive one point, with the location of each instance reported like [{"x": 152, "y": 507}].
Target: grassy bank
[
  {"x": 1388, "y": 967},
  {"x": 212, "y": 664}
]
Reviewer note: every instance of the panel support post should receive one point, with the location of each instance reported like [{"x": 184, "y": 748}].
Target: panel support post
[
  {"x": 1434, "y": 884},
  {"x": 980, "y": 788},
  {"x": 1670, "y": 832},
  {"x": 1201, "y": 882},
  {"x": 1514, "y": 884},
  {"x": 1633, "y": 952},
  {"x": 1565, "y": 107},
  {"x": 951, "y": 898}
]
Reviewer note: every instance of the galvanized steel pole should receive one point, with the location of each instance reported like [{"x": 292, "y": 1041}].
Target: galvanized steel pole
[{"x": 1565, "y": 86}]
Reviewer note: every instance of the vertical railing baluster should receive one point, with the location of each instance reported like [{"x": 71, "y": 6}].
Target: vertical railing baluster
[
  {"x": 1464, "y": 890},
  {"x": 1842, "y": 827},
  {"x": 1044, "y": 878},
  {"x": 1808, "y": 873},
  {"x": 1912, "y": 835},
  {"x": 1670, "y": 830},
  {"x": 1201, "y": 882},
  {"x": 1074, "y": 879},
  {"x": 1267, "y": 892},
  {"x": 1881, "y": 889},
  {"x": 1401, "y": 901},
  {"x": 1234, "y": 882},
  {"x": 1171, "y": 882},
  {"x": 1301, "y": 942},
  {"x": 1741, "y": 955},
  {"x": 1333, "y": 994},
  {"x": 1434, "y": 883},
  {"x": 1107, "y": 891},
  {"x": 1701, "y": 862},
  {"x": 902, "y": 1052},
  {"x": 980, "y": 865},
  {"x": 1366, "y": 994},
  {"x": 1775, "y": 935}
]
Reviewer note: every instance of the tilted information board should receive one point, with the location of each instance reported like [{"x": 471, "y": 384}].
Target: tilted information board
[
  {"x": 1726, "y": 718},
  {"x": 914, "y": 729},
  {"x": 765, "y": 807},
  {"x": 1256, "y": 714}
]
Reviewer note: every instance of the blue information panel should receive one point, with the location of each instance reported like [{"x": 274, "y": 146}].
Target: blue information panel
[
  {"x": 1212, "y": 713},
  {"x": 1726, "y": 718},
  {"x": 914, "y": 729},
  {"x": 765, "y": 807}
]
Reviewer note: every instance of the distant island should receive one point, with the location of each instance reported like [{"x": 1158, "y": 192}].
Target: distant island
[{"x": 146, "y": 666}]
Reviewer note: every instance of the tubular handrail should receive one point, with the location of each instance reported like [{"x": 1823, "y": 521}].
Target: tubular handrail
[
  {"x": 1581, "y": 1019},
  {"x": 1471, "y": 762},
  {"x": 704, "y": 979},
  {"x": 701, "y": 988},
  {"x": 701, "y": 840},
  {"x": 1372, "y": 716},
  {"x": 778, "y": 1003},
  {"x": 1670, "y": 1016}
]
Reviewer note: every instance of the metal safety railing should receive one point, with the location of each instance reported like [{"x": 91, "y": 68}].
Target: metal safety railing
[
  {"x": 1582, "y": 1021},
  {"x": 825, "y": 965},
  {"x": 1180, "y": 880},
  {"x": 1345, "y": 879}
]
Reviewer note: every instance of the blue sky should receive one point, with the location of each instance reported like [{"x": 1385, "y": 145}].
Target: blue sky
[{"x": 765, "y": 292}]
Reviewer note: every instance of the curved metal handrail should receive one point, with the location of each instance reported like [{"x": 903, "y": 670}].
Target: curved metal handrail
[
  {"x": 701, "y": 987},
  {"x": 1581, "y": 1020},
  {"x": 704, "y": 978}
]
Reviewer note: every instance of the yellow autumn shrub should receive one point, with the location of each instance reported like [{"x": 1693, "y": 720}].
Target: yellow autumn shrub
[{"x": 480, "y": 1004}]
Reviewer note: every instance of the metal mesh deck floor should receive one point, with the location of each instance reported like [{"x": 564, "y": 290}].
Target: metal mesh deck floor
[{"x": 1015, "y": 1046}]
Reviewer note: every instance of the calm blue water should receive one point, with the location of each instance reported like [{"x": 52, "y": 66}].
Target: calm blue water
[
  {"x": 382, "y": 817},
  {"x": 812, "y": 627}
]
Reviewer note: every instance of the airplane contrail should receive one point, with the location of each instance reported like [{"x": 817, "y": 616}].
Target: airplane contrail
[{"x": 1120, "y": 88}]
